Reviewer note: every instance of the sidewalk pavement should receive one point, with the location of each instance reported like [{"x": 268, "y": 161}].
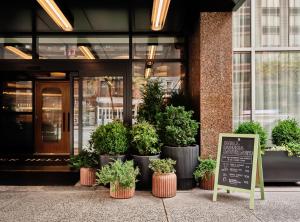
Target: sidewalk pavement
[{"x": 46, "y": 203}]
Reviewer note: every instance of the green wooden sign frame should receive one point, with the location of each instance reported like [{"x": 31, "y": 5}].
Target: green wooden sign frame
[{"x": 256, "y": 168}]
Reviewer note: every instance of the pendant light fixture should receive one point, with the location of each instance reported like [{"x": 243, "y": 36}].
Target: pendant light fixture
[{"x": 159, "y": 14}]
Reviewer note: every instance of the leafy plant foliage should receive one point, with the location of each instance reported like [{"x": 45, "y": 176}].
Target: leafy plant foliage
[
  {"x": 286, "y": 131},
  {"x": 180, "y": 99},
  {"x": 253, "y": 128},
  {"x": 84, "y": 159},
  {"x": 153, "y": 103},
  {"x": 205, "y": 169},
  {"x": 144, "y": 139},
  {"x": 176, "y": 126},
  {"x": 293, "y": 149},
  {"x": 111, "y": 139},
  {"x": 123, "y": 174},
  {"x": 162, "y": 165}
]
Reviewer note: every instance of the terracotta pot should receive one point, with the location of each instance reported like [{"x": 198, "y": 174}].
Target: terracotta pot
[
  {"x": 87, "y": 176},
  {"x": 119, "y": 192},
  {"x": 208, "y": 184},
  {"x": 164, "y": 185}
]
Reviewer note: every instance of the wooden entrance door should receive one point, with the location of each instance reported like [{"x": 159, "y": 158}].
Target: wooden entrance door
[{"x": 52, "y": 118}]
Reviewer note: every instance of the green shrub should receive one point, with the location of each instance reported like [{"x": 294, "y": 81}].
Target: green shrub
[
  {"x": 144, "y": 139},
  {"x": 111, "y": 139},
  {"x": 205, "y": 169},
  {"x": 293, "y": 149},
  {"x": 180, "y": 99},
  {"x": 84, "y": 159},
  {"x": 162, "y": 165},
  {"x": 153, "y": 103},
  {"x": 118, "y": 172},
  {"x": 253, "y": 128},
  {"x": 286, "y": 131},
  {"x": 176, "y": 126}
]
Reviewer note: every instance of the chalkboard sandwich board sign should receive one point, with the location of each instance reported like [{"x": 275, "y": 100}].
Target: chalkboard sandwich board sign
[{"x": 238, "y": 164}]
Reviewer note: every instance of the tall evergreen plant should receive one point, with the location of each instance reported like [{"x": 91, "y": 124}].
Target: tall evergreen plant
[{"x": 153, "y": 103}]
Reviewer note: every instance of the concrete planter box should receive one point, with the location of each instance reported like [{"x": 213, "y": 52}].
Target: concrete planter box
[
  {"x": 279, "y": 167},
  {"x": 186, "y": 163},
  {"x": 145, "y": 176}
]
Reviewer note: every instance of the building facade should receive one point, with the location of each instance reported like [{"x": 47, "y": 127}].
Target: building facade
[{"x": 266, "y": 62}]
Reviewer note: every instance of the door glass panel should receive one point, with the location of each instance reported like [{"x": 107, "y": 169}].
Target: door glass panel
[{"x": 52, "y": 120}]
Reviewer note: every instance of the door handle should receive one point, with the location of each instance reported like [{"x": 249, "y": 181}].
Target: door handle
[
  {"x": 64, "y": 121},
  {"x": 69, "y": 122}
]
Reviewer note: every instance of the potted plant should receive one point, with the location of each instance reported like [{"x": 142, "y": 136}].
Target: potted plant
[
  {"x": 121, "y": 176},
  {"x": 252, "y": 127},
  {"x": 153, "y": 102},
  {"x": 177, "y": 131},
  {"x": 164, "y": 180},
  {"x": 144, "y": 141},
  {"x": 281, "y": 163},
  {"x": 205, "y": 173},
  {"x": 110, "y": 141},
  {"x": 87, "y": 163}
]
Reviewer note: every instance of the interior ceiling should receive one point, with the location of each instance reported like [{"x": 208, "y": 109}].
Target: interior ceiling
[{"x": 105, "y": 15}]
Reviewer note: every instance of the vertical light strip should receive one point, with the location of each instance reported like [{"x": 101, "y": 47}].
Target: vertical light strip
[
  {"x": 159, "y": 14},
  {"x": 151, "y": 52},
  {"x": 56, "y": 14},
  {"x": 147, "y": 72},
  {"x": 86, "y": 52},
  {"x": 18, "y": 52}
]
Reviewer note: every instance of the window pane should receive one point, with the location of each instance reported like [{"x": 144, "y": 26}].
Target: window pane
[
  {"x": 102, "y": 103},
  {"x": 15, "y": 48},
  {"x": 271, "y": 23},
  {"x": 171, "y": 75},
  {"x": 277, "y": 87},
  {"x": 241, "y": 88},
  {"x": 84, "y": 48},
  {"x": 157, "y": 48},
  {"x": 242, "y": 26},
  {"x": 17, "y": 96},
  {"x": 294, "y": 20}
]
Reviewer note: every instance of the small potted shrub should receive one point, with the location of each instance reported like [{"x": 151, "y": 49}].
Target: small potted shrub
[
  {"x": 205, "y": 173},
  {"x": 121, "y": 176},
  {"x": 281, "y": 163},
  {"x": 110, "y": 141},
  {"x": 253, "y": 128},
  {"x": 164, "y": 181},
  {"x": 87, "y": 163},
  {"x": 144, "y": 141},
  {"x": 177, "y": 131}
]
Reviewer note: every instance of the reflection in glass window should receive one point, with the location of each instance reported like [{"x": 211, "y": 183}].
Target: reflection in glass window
[
  {"x": 15, "y": 48},
  {"x": 241, "y": 88},
  {"x": 170, "y": 74},
  {"x": 294, "y": 20},
  {"x": 102, "y": 102},
  {"x": 84, "y": 48},
  {"x": 277, "y": 87},
  {"x": 242, "y": 26},
  {"x": 157, "y": 48}
]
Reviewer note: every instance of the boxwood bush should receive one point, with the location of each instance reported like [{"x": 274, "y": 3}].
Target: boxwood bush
[
  {"x": 252, "y": 127},
  {"x": 111, "y": 139},
  {"x": 176, "y": 126},
  {"x": 144, "y": 139},
  {"x": 162, "y": 165},
  {"x": 286, "y": 131}
]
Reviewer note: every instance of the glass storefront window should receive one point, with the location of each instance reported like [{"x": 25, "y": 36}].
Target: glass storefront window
[
  {"x": 242, "y": 26},
  {"x": 157, "y": 48},
  {"x": 241, "y": 88},
  {"x": 15, "y": 48},
  {"x": 277, "y": 87},
  {"x": 102, "y": 102},
  {"x": 294, "y": 20},
  {"x": 83, "y": 48},
  {"x": 170, "y": 74}
]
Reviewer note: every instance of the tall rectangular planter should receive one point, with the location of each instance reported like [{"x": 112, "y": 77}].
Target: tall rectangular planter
[{"x": 279, "y": 167}]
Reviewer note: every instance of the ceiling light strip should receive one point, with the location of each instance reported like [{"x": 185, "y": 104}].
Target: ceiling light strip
[
  {"x": 18, "y": 52},
  {"x": 159, "y": 14},
  {"x": 56, "y": 14},
  {"x": 86, "y": 52}
]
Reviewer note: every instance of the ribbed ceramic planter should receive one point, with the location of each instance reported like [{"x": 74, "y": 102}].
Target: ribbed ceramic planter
[
  {"x": 208, "y": 183},
  {"x": 87, "y": 176},
  {"x": 164, "y": 185},
  {"x": 119, "y": 192}
]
